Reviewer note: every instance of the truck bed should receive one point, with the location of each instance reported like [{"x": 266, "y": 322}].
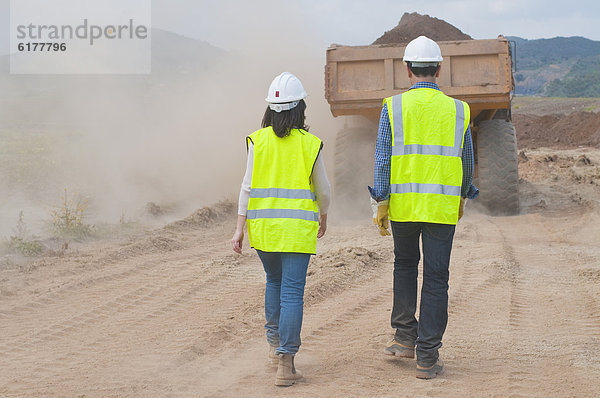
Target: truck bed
[{"x": 358, "y": 78}]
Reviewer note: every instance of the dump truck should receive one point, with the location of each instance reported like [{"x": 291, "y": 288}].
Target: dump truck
[{"x": 479, "y": 72}]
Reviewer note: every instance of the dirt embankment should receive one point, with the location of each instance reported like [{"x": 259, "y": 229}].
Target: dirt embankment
[
  {"x": 558, "y": 131},
  {"x": 414, "y": 25}
]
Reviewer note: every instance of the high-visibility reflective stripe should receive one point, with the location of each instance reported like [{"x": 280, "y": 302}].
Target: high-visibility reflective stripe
[
  {"x": 398, "y": 126},
  {"x": 282, "y": 193},
  {"x": 283, "y": 213},
  {"x": 425, "y": 188},
  {"x": 460, "y": 125},
  {"x": 415, "y": 149}
]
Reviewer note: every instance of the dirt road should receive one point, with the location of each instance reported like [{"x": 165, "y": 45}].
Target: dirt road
[{"x": 176, "y": 313}]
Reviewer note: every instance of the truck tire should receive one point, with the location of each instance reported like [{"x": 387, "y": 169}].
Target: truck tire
[
  {"x": 354, "y": 160},
  {"x": 498, "y": 180}
]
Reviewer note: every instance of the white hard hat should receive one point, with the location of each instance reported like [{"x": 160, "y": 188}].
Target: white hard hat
[
  {"x": 423, "y": 52},
  {"x": 285, "y": 92}
]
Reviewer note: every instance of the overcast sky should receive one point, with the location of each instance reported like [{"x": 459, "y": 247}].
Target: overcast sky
[
  {"x": 237, "y": 24},
  {"x": 361, "y": 22}
]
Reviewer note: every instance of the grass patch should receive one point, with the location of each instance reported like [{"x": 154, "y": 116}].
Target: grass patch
[
  {"x": 68, "y": 220},
  {"x": 28, "y": 248},
  {"x": 22, "y": 241}
]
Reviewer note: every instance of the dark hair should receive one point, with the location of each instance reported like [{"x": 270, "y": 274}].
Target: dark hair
[
  {"x": 282, "y": 122},
  {"x": 423, "y": 72}
]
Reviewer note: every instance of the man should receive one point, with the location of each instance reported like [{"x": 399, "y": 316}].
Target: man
[{"x": 423, "y": 174}]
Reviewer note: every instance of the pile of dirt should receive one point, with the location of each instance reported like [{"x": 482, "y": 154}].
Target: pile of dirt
[
  {"x": 205, "y": 216},
  {"x": 336, "y": 270},
  {"x": 414, "y": 25},
  {"x": 558, "y": 131},
  {"x": 172, "y": 237}
]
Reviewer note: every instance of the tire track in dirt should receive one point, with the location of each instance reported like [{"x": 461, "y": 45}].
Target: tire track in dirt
[
  {"x": 117, "y": 305},
  {"x": 349, "y": 329},
  {"x": 212, "y": 294},
  {"x": 219, "y": 369},
  {"x": 96, "y": 276},
  {"x": 100, "y": 277},
  {"x": 522, "y": 322},
  {"x": 473, "y": 275},
  {"x": 326, "y": 321},
  {"x": 536, "y": 329},
  {"x": 344, "y": 343},
  {"x": 176, "y": 299},
  {"x": 119, "y": 312},
  {"x": 315, "y": 292},
  {"x": 520, "y": 376},
  {"x": 477, "y": 309}
]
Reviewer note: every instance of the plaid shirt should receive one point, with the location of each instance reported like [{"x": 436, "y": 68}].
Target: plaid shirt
[{"x": 383, "y": 156}]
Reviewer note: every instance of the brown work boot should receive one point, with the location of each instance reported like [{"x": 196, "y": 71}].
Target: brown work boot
[
  {"x": 399, "y": 350},
  {"x": 286, "y": 371},
  {"x": 273, "y": 358},
  {"x": 431, "y": 371}
]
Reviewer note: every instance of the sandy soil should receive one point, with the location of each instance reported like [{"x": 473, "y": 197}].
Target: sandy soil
[{"x": 175, "y": 312}]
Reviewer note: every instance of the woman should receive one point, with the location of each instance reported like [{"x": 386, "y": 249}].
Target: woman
[{"x": 284, "y": 198}]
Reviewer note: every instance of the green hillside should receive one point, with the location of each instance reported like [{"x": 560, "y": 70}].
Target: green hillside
[
  {"x": 582, "y": 81},
  {"x": 561, "y": 67}
]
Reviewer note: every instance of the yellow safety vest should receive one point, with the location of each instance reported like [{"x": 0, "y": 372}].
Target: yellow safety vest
[
  {"x": 428, "y": 130},
  {"x": 282, "y": 212}
]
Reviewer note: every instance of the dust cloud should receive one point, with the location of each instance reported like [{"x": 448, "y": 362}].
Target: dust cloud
[{"x": 174, "y": 138}]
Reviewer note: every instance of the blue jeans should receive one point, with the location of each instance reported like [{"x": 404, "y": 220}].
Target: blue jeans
[
  {"x": 284, "y": 298},
  {"x": 427, "y": 333}
]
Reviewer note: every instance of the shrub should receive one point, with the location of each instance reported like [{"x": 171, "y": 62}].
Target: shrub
[
  {"x": 22, "y": 242},
  {"x": 68, "y": 220}
]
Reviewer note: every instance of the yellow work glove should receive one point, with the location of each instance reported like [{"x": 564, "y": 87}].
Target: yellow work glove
[
  {"x": 461, "y": 208},
  {"x": 380, "y": 216}
]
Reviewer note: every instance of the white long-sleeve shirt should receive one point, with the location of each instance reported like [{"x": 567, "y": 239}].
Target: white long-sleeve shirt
[{"x": 319, "y": 179}]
